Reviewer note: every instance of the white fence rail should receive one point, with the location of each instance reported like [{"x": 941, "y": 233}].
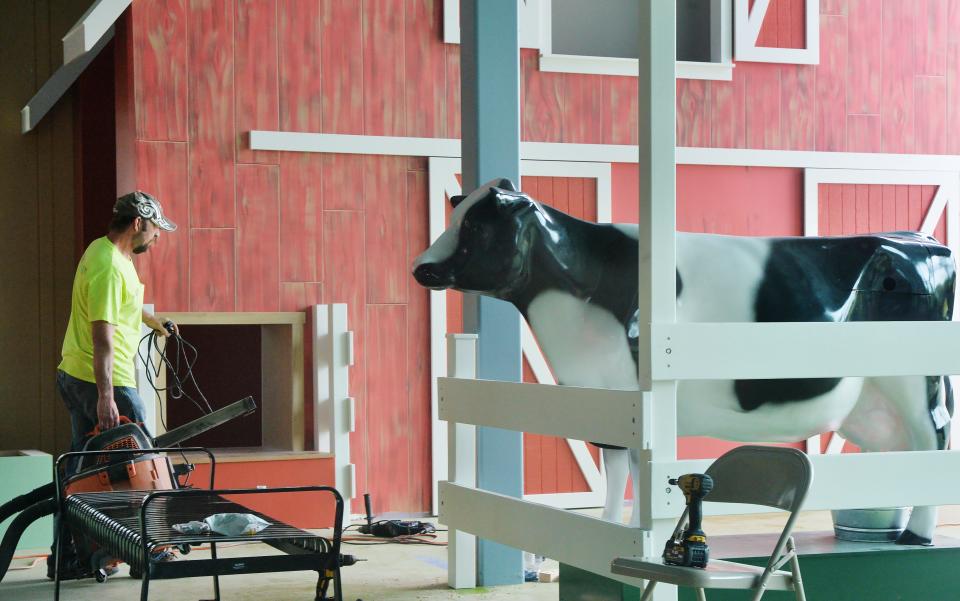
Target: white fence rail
[
  {"x": 594, "y": 414},
  {"x": 707, "y": 351}
]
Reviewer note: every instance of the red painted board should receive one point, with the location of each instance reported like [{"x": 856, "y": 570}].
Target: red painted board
[
  {"x": 897, "y": 92},
  {"x": 390, "y": 436},
  {"x": 424, "y": 69},
  {"x": 212, "y": 148},
  {"x": 258, "y": 238},
  {"x": 418, "y": 343},
  {"x": 745, "y": 201},
  {"x": 302, "y": 510},
  {"x": 582, "y": 109},
  {"x": 300, "y": 296},
  {"x": 931, "y": 36},
  {"x": 388, "y": 273},
  {"x": 863, "y": 133},
  {"x": 693, "y": 113},
  {"x": 301, "y": 215},
  {"x": 831, "y": 87},
  {"x": 301, "y": 81},
  {"x": 931, "y": 125},
  {"x": 341, "y": 66},
  {"x": 344, "y": 259},
  {"x": 953, "y": 76},
  {"x": 164, "y": 268},
  {"x": 620, "y": 100},
  {"x": 762, "y": 108},
  {"x": 833, "y": 7},
  {"x": 798, "y": 106},
  {"x": 159, "y": 34},
  {"x": 212, "y": 281},
  {"x": 865, "y": 66},
  {"x": 541, "y": 101},
  {"x": 727, "y": 101},
  {"x": 452, "y": 96},
  {"x": 383, "y": 68},
  {"x": 257, "y": 90},
  {"x": 343, "y": 182}
]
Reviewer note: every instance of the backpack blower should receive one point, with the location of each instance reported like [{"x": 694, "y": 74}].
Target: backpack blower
[{"x": 101, "y": 473}]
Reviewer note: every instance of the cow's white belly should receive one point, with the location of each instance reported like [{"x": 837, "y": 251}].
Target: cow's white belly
[
  {"x": 584, "y": 344},
  {"x": 711, "y": 408}
]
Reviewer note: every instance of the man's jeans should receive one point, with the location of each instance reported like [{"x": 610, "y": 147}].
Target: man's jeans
[{"x": 80, "y": 397}]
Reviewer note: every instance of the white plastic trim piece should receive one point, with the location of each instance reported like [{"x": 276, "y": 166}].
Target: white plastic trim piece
[
  {"x": 351, "y": 414},
  {"x": 92, "y": 26},
  {"x": 604, "y": 153},
  {"x": 611, "y": 65},
  {"x": 568, "y": 500},
  {"x": 694, "y": 351}
]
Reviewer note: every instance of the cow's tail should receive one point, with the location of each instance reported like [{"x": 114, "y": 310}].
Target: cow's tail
[{"x": 940, "y": 398}]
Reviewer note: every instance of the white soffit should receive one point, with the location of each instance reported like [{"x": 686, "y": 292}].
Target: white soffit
[
  {"x": 81, "y": 45},
  {"x": 91, "y": 28}
]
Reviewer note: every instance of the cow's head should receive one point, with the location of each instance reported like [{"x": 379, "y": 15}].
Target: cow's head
[{"x": 485, "y": 247}]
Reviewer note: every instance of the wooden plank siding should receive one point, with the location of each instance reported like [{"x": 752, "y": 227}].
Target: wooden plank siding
[{"x": 281, "y": 231}]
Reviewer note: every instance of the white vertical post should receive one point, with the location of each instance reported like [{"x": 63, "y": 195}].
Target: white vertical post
[
  {"x": 657, "y": 277},
  {"x": 334, "y": 411},
  {"x": 462, "y": 469}
]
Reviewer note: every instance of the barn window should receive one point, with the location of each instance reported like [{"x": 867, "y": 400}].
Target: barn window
[{"x": 601, "y": 36}]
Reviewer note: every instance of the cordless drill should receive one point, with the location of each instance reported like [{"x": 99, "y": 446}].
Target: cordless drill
[{"x": 688, "y": 547}]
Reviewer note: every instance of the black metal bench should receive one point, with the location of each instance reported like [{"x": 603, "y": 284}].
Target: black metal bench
[{"x": 132, "y": 525}]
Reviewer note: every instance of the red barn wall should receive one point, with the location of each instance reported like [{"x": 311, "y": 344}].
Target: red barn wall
[{"x": 270, "y": 231}]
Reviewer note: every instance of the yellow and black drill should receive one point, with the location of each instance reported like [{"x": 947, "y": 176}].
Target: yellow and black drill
[{"x": 688, "y": 547}]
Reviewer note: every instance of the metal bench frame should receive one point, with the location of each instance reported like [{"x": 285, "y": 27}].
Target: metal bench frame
[{"x": 326, "y": 563}]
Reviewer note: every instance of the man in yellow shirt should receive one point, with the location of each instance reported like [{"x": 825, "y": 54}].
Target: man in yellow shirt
[{"x": 96, "y": 376}]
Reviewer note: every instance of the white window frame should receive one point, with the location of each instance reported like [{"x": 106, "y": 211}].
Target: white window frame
[
  {"x": 443, "y": 183},
  {"x": 747, "y": 25},
  {"x": 535, "y": 32}
]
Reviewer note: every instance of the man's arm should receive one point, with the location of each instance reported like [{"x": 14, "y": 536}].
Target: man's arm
[{"x": 107, "y": 414}]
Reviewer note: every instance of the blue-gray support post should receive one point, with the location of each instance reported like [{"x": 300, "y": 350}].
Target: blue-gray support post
[{"x": 490, "y": 109}]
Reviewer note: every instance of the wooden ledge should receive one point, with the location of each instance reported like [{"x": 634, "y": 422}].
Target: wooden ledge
[{"x": 248, "y": 454}]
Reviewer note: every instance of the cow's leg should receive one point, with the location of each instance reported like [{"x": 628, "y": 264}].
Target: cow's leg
[
  {"x": 615, "y": 465},
  {"x": 902, "y": 414}
]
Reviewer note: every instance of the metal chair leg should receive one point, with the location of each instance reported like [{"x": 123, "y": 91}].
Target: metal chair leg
[
  {"x": 701, "y": 596},
  {"x": 795, "y": 568},
  {"x": 145, "y": 583},
  {"x": 216, "y": 576},
  {"x": 648, "y": 591}
]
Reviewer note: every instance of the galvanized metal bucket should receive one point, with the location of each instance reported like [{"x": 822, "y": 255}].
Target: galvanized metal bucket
[{"x": 870, "y": 525}]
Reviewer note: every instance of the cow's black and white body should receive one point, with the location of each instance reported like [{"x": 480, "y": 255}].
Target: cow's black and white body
[{"x": 576, "y": 284}]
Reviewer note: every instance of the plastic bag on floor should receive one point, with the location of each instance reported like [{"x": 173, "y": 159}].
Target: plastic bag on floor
[{"x": 236, "y": 524}]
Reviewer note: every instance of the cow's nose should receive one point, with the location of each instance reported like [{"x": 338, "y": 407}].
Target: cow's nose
[{"x": 429, "y": 276}]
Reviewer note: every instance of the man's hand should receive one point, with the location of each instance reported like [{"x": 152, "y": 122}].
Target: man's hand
[
  {"x": 107, "y": 414},
  {"x": 157, "y": 324}
]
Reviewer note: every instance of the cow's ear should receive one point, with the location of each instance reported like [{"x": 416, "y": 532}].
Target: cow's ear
[
  {"x": 506, "y": 184},
  {"x": 512, "y": 203},
  {"x": 457, "y": 199}
]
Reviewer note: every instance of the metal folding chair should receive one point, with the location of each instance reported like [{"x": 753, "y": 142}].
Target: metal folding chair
[{"x": 771, "y": 476}]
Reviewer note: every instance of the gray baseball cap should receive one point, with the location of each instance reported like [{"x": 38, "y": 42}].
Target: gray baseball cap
[{"x": 141, "y": 204}]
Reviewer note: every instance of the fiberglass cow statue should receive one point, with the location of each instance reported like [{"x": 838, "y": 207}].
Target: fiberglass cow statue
[{"x": 576, "y": 284}]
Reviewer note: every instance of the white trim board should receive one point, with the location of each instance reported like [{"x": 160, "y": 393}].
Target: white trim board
[
  {"x": 603, "y": 153},
  {"x": 442, "y": 182},
  {"x": 747, "y": 25},
  {"x": 630, "y": 67}
]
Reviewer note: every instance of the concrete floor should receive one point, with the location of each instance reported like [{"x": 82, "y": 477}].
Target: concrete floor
[{"x": 391, "y": 572}]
